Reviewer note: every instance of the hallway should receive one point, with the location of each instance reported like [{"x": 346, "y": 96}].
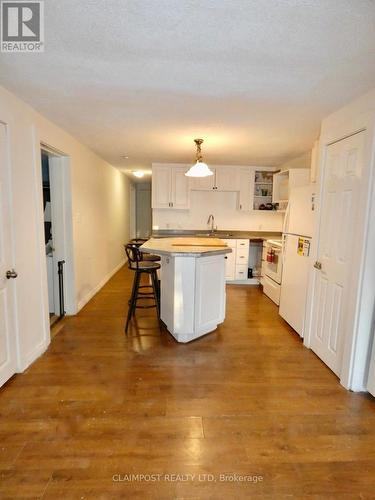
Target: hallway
[{"x": 248, "y": 399}]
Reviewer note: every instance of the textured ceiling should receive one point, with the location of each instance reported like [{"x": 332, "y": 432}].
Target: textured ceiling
[{"x": 145, "y": 77}]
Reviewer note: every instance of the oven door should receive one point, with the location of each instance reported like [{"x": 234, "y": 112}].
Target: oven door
[{"x": 274, "y": 262}]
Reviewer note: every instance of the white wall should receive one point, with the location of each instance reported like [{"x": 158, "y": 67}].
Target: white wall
[
  {"x": 302, "y": 161},
  {"x": 100, "y": 208},
  {"x": 223, "y": 206}
]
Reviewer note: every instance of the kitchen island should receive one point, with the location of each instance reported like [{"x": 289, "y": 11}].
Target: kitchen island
[{"x": 192, "y": 284}]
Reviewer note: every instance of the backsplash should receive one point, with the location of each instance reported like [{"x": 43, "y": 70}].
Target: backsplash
[{"x": 223, "y": 205}]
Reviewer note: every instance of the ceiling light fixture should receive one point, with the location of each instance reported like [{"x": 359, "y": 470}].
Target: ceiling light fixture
[
  {"x": 138, "y": 173},
  {"x": 200, "y": 169}
]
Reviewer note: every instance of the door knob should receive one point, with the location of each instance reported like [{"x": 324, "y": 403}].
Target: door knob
[
  {"x": 318, "y": 265},
  {"x": 11, "y": 274}
]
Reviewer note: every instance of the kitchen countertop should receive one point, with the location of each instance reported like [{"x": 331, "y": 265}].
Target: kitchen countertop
[
  {"x": 223, "y": 234},
  {"x": 185, "y": 246}
]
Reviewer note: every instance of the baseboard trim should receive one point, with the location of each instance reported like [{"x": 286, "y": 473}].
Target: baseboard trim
[{"x": 98, "y": 287}]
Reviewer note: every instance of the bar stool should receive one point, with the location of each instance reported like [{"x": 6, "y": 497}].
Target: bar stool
[
  {"x": 139, "y": 266},
  {"x": 145, "y": 256}
]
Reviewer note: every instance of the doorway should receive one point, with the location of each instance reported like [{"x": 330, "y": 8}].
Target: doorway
[
  {"x": 143, "y": 210},
  {"x": 57, "y": 233},
  {"x": 54, "y": 312}
]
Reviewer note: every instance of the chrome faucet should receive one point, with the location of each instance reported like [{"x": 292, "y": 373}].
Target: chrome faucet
[{"x": 211, "y": 219}]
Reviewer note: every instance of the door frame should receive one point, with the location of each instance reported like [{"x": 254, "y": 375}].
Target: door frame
[
  {"x": 354, "y": 118},
  {"x": 62, "y": 221},
  {"x": 132, "y": 211}
]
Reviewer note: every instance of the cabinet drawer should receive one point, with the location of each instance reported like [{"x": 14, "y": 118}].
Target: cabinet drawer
[
  {"x": 271, "y": 289},
  {"x": 241, "y": 272},
  {"x": 242, "y": 256},
  {"x": 243, "y": 244}
]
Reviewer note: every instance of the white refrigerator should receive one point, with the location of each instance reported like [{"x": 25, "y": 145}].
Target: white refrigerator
[{"x": 297, "y": 236}]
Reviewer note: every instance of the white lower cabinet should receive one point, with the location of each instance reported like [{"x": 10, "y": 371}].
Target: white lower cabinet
[
  {"x": 236, "y": 263},
  {"x": 230, "y": 265},
  {"x": 241, "y": 272},
  {"x": 242, "y": 255}
]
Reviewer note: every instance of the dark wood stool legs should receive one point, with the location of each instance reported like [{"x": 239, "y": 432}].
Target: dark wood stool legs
[{"x": 138, "y": 295}]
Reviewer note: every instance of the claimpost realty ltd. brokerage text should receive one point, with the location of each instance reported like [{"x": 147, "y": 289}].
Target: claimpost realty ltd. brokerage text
[{"x": 184, "y": 478}]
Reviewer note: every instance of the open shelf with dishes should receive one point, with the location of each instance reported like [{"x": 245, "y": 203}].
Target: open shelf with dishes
[{"x": 263, "y": 186}]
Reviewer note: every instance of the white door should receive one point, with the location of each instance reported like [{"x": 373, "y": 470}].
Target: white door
[
  {"x": 341, "y": 182},
  {"x": 371, "y": 375},
  {"x": 7, "y": 323},
  {"x": 180, "y": 188},
  {"x": 161, "y": 187}
]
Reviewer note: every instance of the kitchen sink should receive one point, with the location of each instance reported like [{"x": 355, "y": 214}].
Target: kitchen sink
[{"x": 214, "y": 235}]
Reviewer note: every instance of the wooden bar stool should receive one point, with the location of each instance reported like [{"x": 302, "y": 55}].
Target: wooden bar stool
[
  {"x": 145, "y": 256},
  {"x": 139, "y": 266}
]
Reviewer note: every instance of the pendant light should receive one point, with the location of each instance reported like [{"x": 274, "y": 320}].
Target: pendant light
[{"x": 200, "y": 169}]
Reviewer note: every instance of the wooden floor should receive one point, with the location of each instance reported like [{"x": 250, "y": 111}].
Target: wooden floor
[{"x": 246, "y": 400}]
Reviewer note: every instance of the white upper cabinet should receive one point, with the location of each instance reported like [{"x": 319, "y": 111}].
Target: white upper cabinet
[
  {"x": 246, "y": 192},
  {"x": 255, "y": 188},
  {"x": 180, "y": 188},
  {"x": 224, "y": 179},
  {"x": 286, "y": 180},
  {"x": 161, "y": 187},
  {"x": 203, "y": 183},
  {"x": 170, "y": 187}
]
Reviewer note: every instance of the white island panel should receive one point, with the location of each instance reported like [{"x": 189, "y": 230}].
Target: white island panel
[
  {"x": 209, "y": 293},
  {"x": 192, "y": 284}
]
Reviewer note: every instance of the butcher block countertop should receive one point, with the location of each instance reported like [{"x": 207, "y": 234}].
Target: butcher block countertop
[{"x": 186, "y": 246}]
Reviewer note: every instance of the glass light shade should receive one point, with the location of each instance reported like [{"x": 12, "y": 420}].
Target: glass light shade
[
  {"x": 138, "y": 173},
  {"x": 200, "y": 169}
]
